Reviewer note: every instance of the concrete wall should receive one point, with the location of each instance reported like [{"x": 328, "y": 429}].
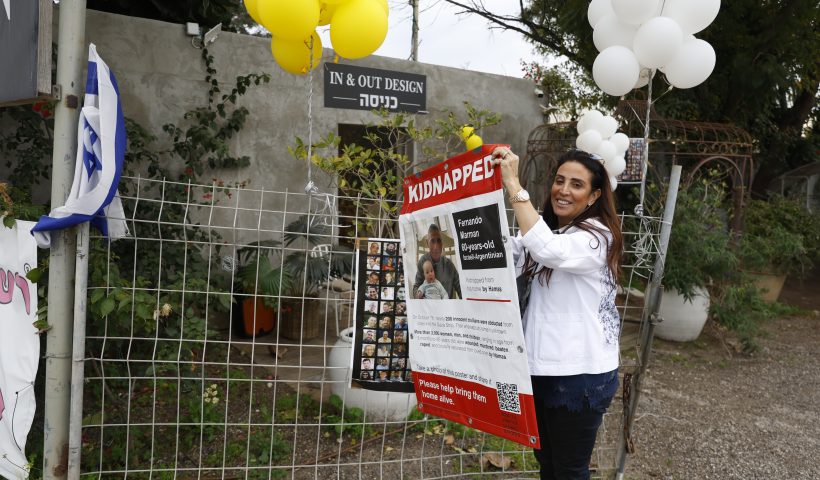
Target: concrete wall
[{"x": 161, "y": 75}]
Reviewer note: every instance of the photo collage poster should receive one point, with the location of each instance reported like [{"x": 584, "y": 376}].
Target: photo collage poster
[
  {"x": 381, "y": 347},
  {"x": 634, "y": 162}
]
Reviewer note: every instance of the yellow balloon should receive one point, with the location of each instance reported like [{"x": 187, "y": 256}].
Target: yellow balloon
[
  {"x": 335, "y": 2},
  {"x": 466, "y": 132},
  {"x": 289, "y": 19},
  {"x": 250, "y": 6},
  {"x": 294, "y": 56},
  {"x": 358, "y": 28},
  {"x": 474, "y": 142},
  {"x": 384, "y": 5},
  {"x": 326, "y": 13}
]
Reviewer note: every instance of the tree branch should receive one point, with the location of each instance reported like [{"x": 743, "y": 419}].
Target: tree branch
[{"x": 533, "y": 31}]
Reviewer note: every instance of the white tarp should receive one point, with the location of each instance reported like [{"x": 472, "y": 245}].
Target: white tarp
[{"x": 19, "y": 346}]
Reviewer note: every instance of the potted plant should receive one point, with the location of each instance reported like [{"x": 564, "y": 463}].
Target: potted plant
[
  {"x": 312, "y": 263},
  {"x": 698, "y": 254},
  {"x": 780, "y": 238},
  {"x": 260, "y": 285}
]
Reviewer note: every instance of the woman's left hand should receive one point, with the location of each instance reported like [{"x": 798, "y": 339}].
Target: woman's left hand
[{"x": 509, "y": 167}]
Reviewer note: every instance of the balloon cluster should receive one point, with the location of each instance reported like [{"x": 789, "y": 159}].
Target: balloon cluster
[
  {"x": 357, "y": 28},
  {"x": 597, "y": 134},
  {"x": 637, "y": 36}
]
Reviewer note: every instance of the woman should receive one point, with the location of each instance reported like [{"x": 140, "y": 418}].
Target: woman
[{"x": 571, "y": 254}]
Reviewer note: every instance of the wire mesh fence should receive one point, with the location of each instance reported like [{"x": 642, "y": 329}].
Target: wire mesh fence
[{"x": 216, "y": 346}]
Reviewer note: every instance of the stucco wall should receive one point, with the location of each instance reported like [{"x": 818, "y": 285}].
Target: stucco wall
[{"x": 161, "y": 75}]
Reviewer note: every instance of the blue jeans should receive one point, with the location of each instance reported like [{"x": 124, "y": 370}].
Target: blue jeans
[{"x": 567, "y": 440}]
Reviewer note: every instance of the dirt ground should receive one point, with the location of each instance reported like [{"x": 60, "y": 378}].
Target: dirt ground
[{"x": 709, "y": 413}]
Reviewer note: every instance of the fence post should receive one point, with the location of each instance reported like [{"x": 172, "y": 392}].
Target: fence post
[
  {"x": 653, "y": 298},
  {"x": 62, "y": 256},
  {"x": 75, "y": 424}
]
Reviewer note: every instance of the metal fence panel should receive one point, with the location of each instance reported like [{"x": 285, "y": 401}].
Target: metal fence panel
[{"x": 174, "y": 388}]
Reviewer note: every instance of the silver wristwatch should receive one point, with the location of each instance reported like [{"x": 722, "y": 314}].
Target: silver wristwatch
[{"x": 521, "y": 196}]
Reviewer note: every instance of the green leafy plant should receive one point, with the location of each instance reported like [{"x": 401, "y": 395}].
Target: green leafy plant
[
  {"x": 780, "y": 236},
  {"x": 739, "y": 307},
  {"x": 699, "y": 250},
  {"x": 259, "y": 273},
  {"x": 373, "y": 171},
  {"x": 308, "y": 266},
  {"x": 347, "y": 420}
]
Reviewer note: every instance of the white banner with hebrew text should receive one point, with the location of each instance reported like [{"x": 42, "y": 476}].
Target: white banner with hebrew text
[{"x": 19, "y": 346}]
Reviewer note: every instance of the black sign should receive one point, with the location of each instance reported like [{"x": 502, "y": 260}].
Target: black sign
[
  {"x": 359, "y": 88},
  {"x": 25, "y": 50},
  {"x": 479, "y": 238}
]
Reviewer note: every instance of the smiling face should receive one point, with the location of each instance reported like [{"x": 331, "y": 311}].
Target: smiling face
[{"x": 572, "y": 192}]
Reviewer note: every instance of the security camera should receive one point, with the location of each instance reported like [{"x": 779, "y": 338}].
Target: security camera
[
  {"x": 538, "y": 92},
  {"x": 210, "y": 35}
]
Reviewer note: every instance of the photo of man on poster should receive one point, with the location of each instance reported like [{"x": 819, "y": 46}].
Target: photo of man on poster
[{"x": 444, "y": 269}]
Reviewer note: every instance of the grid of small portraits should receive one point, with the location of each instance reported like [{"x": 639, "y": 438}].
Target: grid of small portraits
[{"x": 382, "y": 343}]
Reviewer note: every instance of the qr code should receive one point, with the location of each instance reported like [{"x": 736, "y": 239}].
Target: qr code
[{"x": 508, "y": 397}]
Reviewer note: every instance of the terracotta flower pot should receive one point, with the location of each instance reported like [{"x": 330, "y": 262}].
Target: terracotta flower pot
[
  {"x": 770, "y": 283},
  {"x": 256, "y": 318}
]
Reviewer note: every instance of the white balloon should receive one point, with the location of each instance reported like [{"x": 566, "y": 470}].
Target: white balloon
[
  {"x": 692, "y": 15},
  {"x": 643, "y": 78},
  {"x": 687, "y": 37},
  {"x": 610, "y": 31},
  {"x": 613, "y": 183},
  {"x": 692, "y": 65},
  {"x": 597, "y": 10},
  {"x": 615, "y": 165},
  {"x": 605, "y": 150},
  {"x": 588, "y": 141},
  {"x": 588, "y": 120},
  {"x": 616, "y": 70},
  {"x": 607, "y": 126},
  {"x": 635, "y": 12},
  {"x": 621, "y": 142},
  {"x": 657, "y": 42}
]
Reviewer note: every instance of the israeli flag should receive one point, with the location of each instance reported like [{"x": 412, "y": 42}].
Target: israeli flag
[{"x": 100, "y": 154}]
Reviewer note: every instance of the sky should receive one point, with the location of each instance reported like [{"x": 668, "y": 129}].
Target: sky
[{"x": 460, "y": 41}]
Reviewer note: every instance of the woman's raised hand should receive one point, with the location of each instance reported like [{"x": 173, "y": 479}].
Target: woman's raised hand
[{"x": 509, "y": 167}]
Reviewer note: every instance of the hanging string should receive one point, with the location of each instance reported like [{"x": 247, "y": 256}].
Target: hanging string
[
  {"x": 326, "y": 210},
  {"x": 310, "y": 187},
  {"x": 639, "y": 209}
]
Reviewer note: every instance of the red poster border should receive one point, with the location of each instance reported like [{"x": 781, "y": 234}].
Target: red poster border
[
  {"x": 485, "y": 415},
  {"x": 465, "y": 190}
]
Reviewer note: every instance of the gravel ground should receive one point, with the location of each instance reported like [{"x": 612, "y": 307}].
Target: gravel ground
[{"x": 707, "y": 412}]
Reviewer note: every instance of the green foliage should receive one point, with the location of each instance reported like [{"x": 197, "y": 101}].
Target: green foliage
[
  {"x": 373, "y": 171},
  {"x": 291, "y": 407},
  {"x": 205, "y": 142},
  {"x": 261, "y": 277},
  {"x": 740, "y": 308},
  {"x": 15, "y": 204},
  {"x": 347, "y": 420},
  {"x": 567, "y": 90},
  {"x": 205, "y": 12},
  {"x": 780, "y": 236},
  {"x": 699, "y": 246},
  {"x": 308, "y": 269},
  {"x": 27, "y": 148}
]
